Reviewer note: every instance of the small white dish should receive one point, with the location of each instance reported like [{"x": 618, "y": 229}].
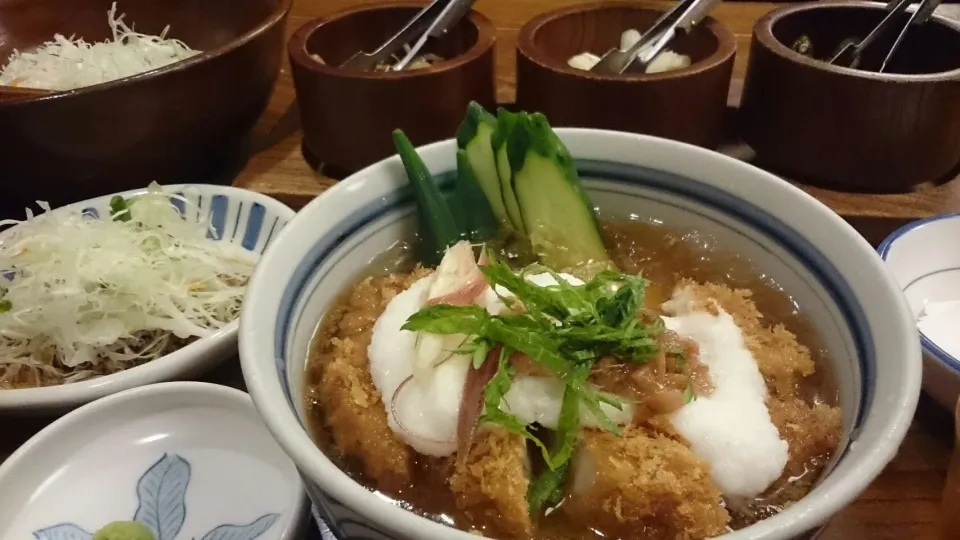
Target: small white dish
[
  {"x": 191, "y": 461},
  {"x": 243, "y": 218},
  {"x": 923, "y": 258}
]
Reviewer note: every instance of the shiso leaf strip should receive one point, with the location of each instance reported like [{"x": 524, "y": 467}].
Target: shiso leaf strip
[{"x": 565, "y": 328}]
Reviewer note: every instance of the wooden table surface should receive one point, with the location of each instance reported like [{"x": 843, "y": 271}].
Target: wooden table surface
[
  {"x": 278, "y": 169},
  {"x": 903, "y": 503}
]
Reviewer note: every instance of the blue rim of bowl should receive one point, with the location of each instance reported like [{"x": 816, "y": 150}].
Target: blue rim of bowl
[
  {"x": 799, "y": 248},
  {"x": 883, "y": 250}
]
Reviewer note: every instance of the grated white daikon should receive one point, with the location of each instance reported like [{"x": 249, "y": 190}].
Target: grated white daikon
[
  {"x": 731, "y": 428},
  {"x": 83, "y": 297},
  {"x": 67, "y": 63}
]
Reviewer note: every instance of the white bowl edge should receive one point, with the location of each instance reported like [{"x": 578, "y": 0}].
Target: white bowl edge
[{"x": 256, "y": 337}]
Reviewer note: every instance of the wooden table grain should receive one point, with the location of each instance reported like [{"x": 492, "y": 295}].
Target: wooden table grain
[
  {"x": 903, "y": 503},
  {"x": 277, "y": 167}
]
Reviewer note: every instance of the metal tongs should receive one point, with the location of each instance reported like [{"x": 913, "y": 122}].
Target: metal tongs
[
  {"x": 685, "y": 15},
  {"x": 435, "y": 21},
  {"x": 849, "y": 52}
]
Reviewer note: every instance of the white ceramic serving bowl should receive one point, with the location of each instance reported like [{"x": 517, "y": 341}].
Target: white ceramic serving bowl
[
  {"x": 834, "y": 276},
  {"x": 240, "y": 217},
  {"x": 183, "y": 458},
  {"x": 920, "y": 257}
]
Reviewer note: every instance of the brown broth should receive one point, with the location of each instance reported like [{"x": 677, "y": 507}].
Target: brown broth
[{"x": 663, "y": 256}]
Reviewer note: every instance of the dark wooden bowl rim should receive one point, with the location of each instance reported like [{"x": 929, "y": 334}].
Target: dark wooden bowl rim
[
  {"x": 763, "y": 33},
  {"x": 297, "y": 47},
  {"x": 283, "y": 7},
  {"x": 726, "y": 45}
]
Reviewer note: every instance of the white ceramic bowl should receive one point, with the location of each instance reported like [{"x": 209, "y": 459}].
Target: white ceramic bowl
[
  {"x": 240, "y": 217},
  {"x": 921, "y": 258},
  {"x": 188, "y": 460},
  {"x": 835, "y": 277}
]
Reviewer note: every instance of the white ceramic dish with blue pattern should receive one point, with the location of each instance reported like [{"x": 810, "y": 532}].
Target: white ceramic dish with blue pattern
[
  {"x": 190, "y": 461},
  {"x": 921, "y": 257},
  {"x": 244, "y": 218},
  {"x": 833, "y": 274}
]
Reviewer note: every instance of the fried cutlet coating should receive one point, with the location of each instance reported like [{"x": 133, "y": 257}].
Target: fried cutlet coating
[
  {"x": 812, "y": 431},
  {"x": 643, "y": 485},
  {"x": 647, "y": 484},
  {"x": 782, "y": 360},
  {"x": 352, "y": 407},
  {"x": 490, "y": 483}
]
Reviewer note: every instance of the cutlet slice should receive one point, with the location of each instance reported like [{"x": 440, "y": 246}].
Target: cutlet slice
[
  {"x": 490, "y": 483},
  {"x": 357, "y": 420},
  {"x": 643, "y": 485},
  {"x": 352, "y": 406}
]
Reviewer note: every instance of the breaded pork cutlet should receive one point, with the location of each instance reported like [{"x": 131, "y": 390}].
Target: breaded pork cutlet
[
  {"x": 782, "y": 360},
  {"x": 490, "y": 483},
  {"x": 644, "y": 486},
  {"x": 812, "y": 431},
  {"x": 352, "y": 407}
]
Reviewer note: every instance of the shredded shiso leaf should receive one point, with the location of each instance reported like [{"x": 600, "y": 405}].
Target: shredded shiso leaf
[
  {"x": 83, "y": 297},
  {"x": 66, "y": 63},
  {"x": 564, "y": 328}
]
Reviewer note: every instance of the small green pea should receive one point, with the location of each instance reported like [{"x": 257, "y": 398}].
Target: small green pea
[{"x": 124, "y": 530}]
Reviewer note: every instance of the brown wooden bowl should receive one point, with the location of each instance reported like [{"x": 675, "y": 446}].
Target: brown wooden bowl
[
  {"x": 347, "y": 116},
  {"x": 848, "y": 128},
  {"x": 172, "y": 124},
  {"x": 686, "y": 104},
  {"x": 9, "y": 93}
]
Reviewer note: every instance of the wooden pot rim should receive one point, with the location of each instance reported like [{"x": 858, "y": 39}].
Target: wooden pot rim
[
  {"x": 726, "y": 46},
  {"x": 956, "y": 423},
  {"x": 763, "y": 35},
  {"x": 297, "y": 47},
  {"x": 21, "y": 96}
]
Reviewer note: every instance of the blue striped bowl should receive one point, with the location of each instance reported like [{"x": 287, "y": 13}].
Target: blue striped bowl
[
  {"x": 237, "y": 216},
  {"x": 920, "y": 257},
  {"x": 834, "y": 276}
]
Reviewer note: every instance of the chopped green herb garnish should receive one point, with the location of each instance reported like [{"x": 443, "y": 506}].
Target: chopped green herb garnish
[
  {"x": 119, "y": 209},
  {"x": 478, "y": 349},
  {"x": 565, "y": 328},
  {"x": 547, "y": 489},
  {"x": 493, "y": 394},
  {"x": 688, "y": 394},
  {"x": 5, "y": 306},
  {"x": 803, "y": 45},
  {"x": 680, "y": 357},
  {"x": 593, "y": 320}
]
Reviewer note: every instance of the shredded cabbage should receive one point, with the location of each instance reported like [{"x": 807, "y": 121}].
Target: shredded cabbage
[
  {"x": 67, "y": 63},
  {"x": 85, "y": 297}
]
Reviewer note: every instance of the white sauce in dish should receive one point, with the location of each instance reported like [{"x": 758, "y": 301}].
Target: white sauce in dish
[
  {"x": 939, "y": 322},
  {"x": 731, "y": 428}
]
